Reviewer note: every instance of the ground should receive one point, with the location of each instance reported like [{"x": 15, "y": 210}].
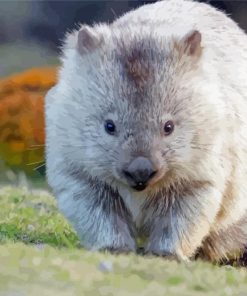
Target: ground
[{"x": 39, "y": 255}]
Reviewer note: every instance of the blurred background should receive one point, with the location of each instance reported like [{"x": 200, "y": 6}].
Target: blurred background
[{"x": 30, "y": 37}]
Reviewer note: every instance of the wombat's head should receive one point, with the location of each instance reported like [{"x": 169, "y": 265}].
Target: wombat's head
[{"x": 136, "y": 105}]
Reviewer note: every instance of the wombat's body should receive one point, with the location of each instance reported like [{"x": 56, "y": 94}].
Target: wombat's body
[{"x": 147, "y": 132}]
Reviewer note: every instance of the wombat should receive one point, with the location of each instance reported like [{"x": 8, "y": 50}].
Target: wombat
[{"x": 146, "y": 132}]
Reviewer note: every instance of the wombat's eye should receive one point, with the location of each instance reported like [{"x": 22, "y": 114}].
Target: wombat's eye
[
  {"x": 110, "y": 127},
  {"x": 169, "y": 127}
]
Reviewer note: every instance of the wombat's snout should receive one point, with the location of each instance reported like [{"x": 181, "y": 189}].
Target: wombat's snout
[{"x": 139, "y": 172}]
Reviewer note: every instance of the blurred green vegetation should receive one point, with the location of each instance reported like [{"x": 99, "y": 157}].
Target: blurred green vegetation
[{"x": 19, "y": 56}]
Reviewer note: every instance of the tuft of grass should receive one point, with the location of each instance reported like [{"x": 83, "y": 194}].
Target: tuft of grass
[
  {"x": 39, "y": 255},
  {"x": 33, "y": 218}
]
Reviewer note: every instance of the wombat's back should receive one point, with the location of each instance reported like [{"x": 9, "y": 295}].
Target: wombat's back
[{"x": 225, "y": 44}]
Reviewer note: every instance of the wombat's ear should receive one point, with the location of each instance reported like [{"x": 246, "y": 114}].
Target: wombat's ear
[
  {"x": 88, "y": 39},
  {"x": 191, "y": 43}
]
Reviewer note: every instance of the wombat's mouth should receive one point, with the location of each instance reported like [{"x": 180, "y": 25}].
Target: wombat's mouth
[
  {"x": 148, "y": 185},
  {"x": 140, "y": 186}
]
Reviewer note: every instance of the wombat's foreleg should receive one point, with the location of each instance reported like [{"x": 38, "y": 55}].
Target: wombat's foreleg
[
  {"x": 98, "y": 215},
  {"x": 180, "y": 229}
]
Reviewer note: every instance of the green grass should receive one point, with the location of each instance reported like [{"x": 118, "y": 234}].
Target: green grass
[
  {"x": 33, "y": 218},
  {"x": 39, "y": 255}
]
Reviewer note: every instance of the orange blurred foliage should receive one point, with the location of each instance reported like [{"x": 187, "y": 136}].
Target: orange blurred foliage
[{"x": 22, "y": 135}]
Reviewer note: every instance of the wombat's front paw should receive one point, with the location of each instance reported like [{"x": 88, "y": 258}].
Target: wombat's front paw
[
  {"x": 124, "y": 246},
  {"x": 159, "y": 250},
  {"x": 160, "y": 253},
  {"x": 118, "y": 250}
]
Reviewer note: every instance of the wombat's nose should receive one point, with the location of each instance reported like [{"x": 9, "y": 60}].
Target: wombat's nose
[{"x": 139, "y": 172}]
